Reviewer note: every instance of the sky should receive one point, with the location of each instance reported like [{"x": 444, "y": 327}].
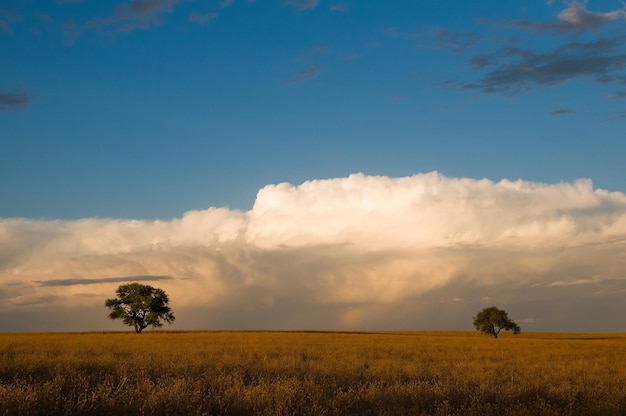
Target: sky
[{"x": 314, "y": 164}]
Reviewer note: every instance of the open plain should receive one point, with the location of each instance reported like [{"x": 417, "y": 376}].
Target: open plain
[{"x": 312, "y": 373}]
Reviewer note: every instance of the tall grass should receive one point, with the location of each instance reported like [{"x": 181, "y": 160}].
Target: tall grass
[{"x": 307, "y": 373}]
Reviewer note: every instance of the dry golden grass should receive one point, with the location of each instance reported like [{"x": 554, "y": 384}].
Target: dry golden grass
[{"x": 312, "y": 373}]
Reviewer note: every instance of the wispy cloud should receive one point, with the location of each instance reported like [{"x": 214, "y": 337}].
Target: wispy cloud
[
  {"x": 7, "y": 16},
  {"x": 353, "y": 56},
  {"x": 616, "y": 95},
  {"x": 575, "y": 18},
  {"x": 390, "y": 32},
  {"x": 305, "y": 74},
  {"x": 457, "y": 42},
  {"x": 302, "y": 4},
  {"x": 620, "y": 115},
  {"x": 537, "y": 58},
  {"x": 308, "y": 59},
  {"x": 5, "y": 27},
  {"x": 578, "y": 282},
  {"x": 45, "y": 18},
  {"x": 202, "y": 18},
  {"x": 339, "y": 7},
  {"x": 513, "y": 69},
  {"x": 135, "y": 14},
  {"x": 145, "y": 8},
  {"x": 561, "y": 112},
  {"x": 13, "y": 101},
  {"x": 10, "y": 15},
  {"x": 89, "y": 281}
]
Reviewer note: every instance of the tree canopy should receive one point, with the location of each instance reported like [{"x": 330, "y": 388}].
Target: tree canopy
[
  {"x": 140, "y": 306},
  {"x": 492, "y": 321}
]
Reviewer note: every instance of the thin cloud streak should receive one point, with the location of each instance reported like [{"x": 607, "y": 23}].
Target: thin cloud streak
[
  {"x": 562, "y": 112},
  {"x": 72, "y": 282}
]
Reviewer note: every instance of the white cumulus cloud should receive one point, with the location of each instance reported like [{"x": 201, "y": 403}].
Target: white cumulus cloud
[{"x": 400, "y": 248}]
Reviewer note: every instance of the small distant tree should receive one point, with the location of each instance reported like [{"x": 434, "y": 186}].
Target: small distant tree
[
  {"x": 493, "y": 320},
  {"x": 140, "y": 306}
]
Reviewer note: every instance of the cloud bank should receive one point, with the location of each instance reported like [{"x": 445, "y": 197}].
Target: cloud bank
[{"x": 424, "y": 251}]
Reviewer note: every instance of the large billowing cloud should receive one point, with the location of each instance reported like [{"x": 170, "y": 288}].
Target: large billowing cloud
[{"x": 424, "y": 251}]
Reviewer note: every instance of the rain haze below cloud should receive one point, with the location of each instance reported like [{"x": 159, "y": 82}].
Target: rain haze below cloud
[{"x": 359, "y": 252}]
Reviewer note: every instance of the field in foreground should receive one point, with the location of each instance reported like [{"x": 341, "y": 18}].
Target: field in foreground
[{"x": 312, "y": 373}]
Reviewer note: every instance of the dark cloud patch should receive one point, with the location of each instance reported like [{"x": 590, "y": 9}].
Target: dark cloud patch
[
  {"x": 587, "y": 49},
  {"x": 575, "y": 18},
  {"x": 561, "y": 112},
  {"x": 12, "y": 101},
  {"x": 480, "y": 61},
  {"x": 514, "y": 69},
  {"x": 145, "y": 8},
  {"x": 73, "y": 282}
]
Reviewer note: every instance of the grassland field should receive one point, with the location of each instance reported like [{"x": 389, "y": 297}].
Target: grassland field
[{"x": 312, "y": 373}]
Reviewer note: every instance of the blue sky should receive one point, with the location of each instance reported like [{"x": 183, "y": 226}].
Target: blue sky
[
  {"x": 281, "y": 164},
  {"x": 146, "y": 109}
]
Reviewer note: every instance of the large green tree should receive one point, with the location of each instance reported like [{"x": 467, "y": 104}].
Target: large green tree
[
  {"x": 492, "y": 321},
  {"x": 140, "y": 306}
]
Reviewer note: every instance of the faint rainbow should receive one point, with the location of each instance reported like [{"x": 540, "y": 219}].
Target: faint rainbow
[{"x": 349, "y": 317}]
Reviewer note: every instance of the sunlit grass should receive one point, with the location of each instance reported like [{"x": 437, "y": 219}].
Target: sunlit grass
[{"x": 312, "y": 373}]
